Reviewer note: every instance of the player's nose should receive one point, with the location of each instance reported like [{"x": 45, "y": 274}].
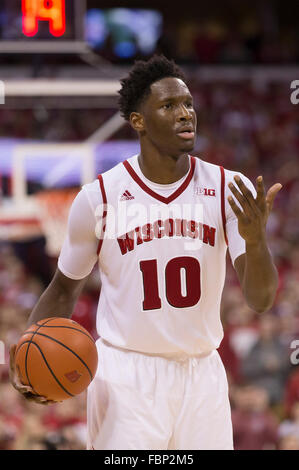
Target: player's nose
[{"x": 184, "y": 114}]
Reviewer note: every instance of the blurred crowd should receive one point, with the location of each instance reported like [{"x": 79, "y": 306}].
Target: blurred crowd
[
  {"x": 23, "y": 424},
  {"x": 213, "y": 40},
  {"x": 244, "y": 128},
  {"x": 244, "y": 35}
]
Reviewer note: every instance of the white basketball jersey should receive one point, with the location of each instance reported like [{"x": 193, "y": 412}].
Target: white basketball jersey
[{"x": 162, "y": 261}]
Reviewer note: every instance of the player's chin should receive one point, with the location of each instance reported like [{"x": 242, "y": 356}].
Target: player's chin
[
  {"x": 185, "y": 143},
  {"x": 187, "y": 146}
]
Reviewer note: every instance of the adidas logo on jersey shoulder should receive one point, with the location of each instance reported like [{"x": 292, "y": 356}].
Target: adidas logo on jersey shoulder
[{"x": 126, "y": 196}]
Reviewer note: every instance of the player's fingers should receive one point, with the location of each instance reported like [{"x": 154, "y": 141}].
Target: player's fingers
[
  {"x": 260, "y": 193},
  {"x": 241, "y": 199},
  {"x": 35, "y": 399},
  {"x": 12, "y": 368},
  {"x": 44, "y": 401},
  {"x": 50, "y": 402},
  {"x": 236, "y": 209},
  {"x": 13, "y": 374},
  {"x": 26, "y": 391},
  {"x": 30, "y": 395},
  {"x": 23, "y": 389},
  {"x": 12, "y": 352},
  {"x": 247, "y": 194},
  {"x": 271, "y": 195}
]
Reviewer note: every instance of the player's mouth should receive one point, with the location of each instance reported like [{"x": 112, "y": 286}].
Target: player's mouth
[{"x": 186, "y": 133}]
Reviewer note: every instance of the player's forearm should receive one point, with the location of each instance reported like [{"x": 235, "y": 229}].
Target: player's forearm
[
  {"x": 260, "y": 278},
  {"x": 52, "y": 303},
  {"x": 49, "y": 306},
  {"x": 58, "y": 300}
]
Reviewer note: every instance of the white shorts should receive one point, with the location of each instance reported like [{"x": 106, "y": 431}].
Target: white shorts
[{"x": 146, "y": 402}]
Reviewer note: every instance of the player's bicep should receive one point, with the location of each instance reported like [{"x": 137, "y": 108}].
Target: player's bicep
[{"x": 79, "y": 251}]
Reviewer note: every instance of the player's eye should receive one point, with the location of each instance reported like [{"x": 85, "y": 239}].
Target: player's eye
[{"x": 167, "y": 106}]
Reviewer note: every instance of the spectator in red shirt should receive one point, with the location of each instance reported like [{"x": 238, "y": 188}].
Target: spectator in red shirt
[
  {"x": 291, "y": 391},
  {"x": 268, "y": 364},
  {"x": 254, "y": 425}
]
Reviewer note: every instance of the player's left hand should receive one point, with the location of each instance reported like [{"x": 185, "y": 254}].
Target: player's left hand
[
  {"x": 253, "y": 218},
  {"x": 25, "y": 390}
]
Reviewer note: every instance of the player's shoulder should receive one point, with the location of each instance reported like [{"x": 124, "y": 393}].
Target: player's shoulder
[
  {"x": 208, "y": 167},
  {"x": 113, "y": 173},
  {"x": 213, "y": 172},
  {"x": 214, "y": 168},
  {"x": 229, "y": 174},
  {"x": 92, "y": 187},
  {"x": 118, "y": 171}
]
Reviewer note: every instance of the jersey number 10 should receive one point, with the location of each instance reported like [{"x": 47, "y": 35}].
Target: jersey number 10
[{"x": 182, "y": 283}]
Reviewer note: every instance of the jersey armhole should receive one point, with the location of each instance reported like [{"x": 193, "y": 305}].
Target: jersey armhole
[
  {"x": 222, "y": 172},
  {"x": 104, "y": 199}
]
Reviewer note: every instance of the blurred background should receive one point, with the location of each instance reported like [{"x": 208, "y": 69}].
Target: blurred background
[{"x": 60, "y": 127}]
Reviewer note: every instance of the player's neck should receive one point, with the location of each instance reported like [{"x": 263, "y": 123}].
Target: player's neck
[{"x": 163, "y": 169}]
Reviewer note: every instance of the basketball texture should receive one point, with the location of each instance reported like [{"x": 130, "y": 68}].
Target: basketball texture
[{"x": 57, "y": 357}]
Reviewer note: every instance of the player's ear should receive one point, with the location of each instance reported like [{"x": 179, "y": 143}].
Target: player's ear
[{"x": 137, "y": 121}]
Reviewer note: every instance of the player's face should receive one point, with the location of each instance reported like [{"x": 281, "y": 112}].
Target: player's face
[{"x": 169, "y": 119}]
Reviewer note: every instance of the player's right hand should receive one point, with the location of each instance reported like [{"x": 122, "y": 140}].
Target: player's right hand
[{"x": 25, "y": 390}]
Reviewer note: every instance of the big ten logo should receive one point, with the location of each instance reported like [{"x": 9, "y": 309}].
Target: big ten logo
[
  {"x": 205, "y": 191},
  {"x": 209, "y": 192},
  {"x": 295, "y": 94},
  {"x": 2, "y": 353},
  {"x": 2, "y": 92},
  {"x": 294, "y": 358},
  {"x": 52, "y": 11}
]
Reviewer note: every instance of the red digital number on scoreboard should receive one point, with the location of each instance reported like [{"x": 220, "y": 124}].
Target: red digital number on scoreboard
[{"x": 52, "y": 11}]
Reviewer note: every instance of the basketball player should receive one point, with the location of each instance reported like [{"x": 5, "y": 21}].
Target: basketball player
[{"x": 159, "y": 225}]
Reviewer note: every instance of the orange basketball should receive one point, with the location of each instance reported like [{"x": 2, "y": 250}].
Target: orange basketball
[{"x": 57, "y": 357}]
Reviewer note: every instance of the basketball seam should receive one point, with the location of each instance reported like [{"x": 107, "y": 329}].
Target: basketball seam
[
  {"x": 44, "y": 358},
  {"x": 26, "y": 356},
  {"x": 66, "y": 347},
  {"x": 70, "y": 328},
  {"x": 27, "y": 332}
]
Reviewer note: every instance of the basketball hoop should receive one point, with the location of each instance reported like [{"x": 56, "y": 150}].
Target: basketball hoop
[{"x": 54, "y": 208}]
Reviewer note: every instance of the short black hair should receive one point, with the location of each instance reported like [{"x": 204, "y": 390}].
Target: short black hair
[{"x": 136, "y": 86}]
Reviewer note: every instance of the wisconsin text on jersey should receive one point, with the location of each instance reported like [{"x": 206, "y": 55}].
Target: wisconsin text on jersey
[{"x": 166, "y": 228}]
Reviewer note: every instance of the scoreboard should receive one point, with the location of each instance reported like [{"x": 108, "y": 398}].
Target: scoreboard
[
  {"x": 28, "y": 26},
  {"x": 51, "y": 11}
]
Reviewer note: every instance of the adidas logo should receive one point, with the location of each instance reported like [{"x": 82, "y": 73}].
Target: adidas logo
[{"x": 126, "y": 196}]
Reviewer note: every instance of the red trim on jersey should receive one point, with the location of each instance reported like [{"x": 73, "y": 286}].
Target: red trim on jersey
[
  {"x": 104, "y": 197},
  {"x": 223, "y": 203},
  {"x": 20, "y": 220},
  {"x": 152, "y": 193}
]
